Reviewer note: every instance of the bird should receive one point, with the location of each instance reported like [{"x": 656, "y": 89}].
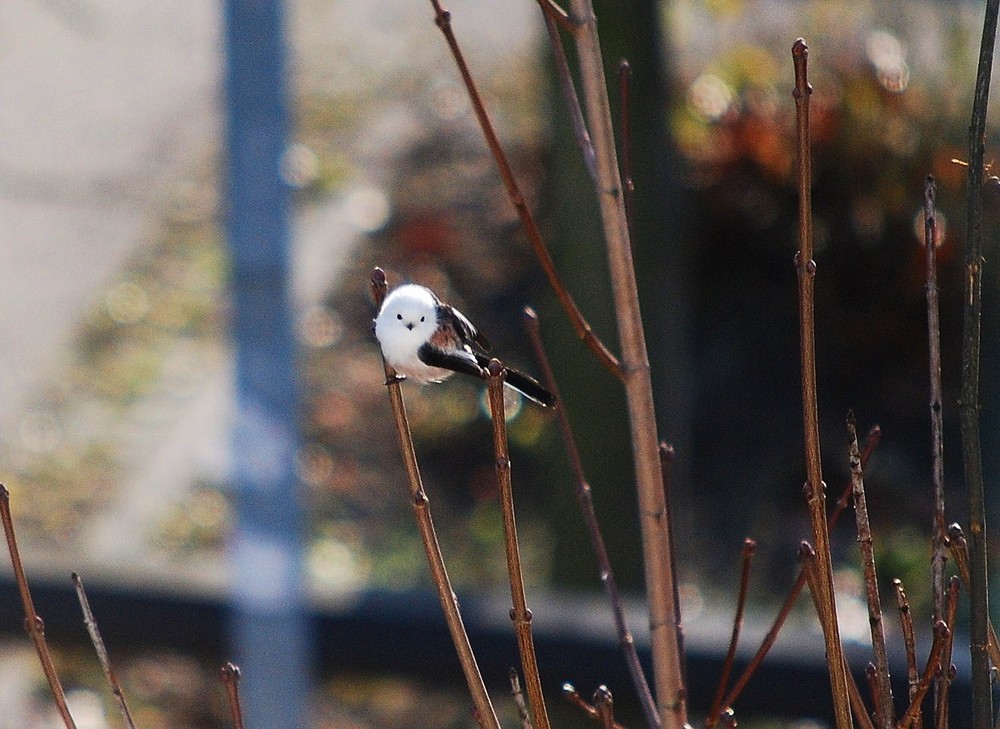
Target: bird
[{"x": 426, "y": 340}]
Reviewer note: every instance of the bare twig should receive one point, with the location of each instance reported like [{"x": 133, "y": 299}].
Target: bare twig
[
  {"x": 883, "y": 688},
  {"x": 520, "y": 613},
  {"x": 715, "y": 712},
  {"x": 229, "y": 674},
  {"x": 959, "y": 549},
  {"x": 874, "y": 435},
  {"x": 605, "y": 705},
  {"x": 861, "y": 715},
  {"x": 573, "y": 696},
  {"x": 982, "y": 702},
  {"x": 941, "y": 635},
  {"x": 808, "y": 561},
  {"x": 519, "y": 701},
  {"x": 667, "y": 457},
  {"x": 102, "y": 651},
  {"x": 938, "y": 534},
  {"x": 873, "y": 688},
  {"x": 655, "y": 527},
  {"x": 443, "y": 20},
  {"x": 586, "y": 501},
  {"x": 909, "y": 644},
  {"x": 625, "y": 87},
  {"x": 938, "y": 527},
  {"x": 33, "y": 623},
  {"x": 485, "y": 715},
  {"x": 568, "y": 89},
  {"x": 555, "y": 13},
  {"x": 947, "y": 667},
  {"x": 806, "y": 268}
]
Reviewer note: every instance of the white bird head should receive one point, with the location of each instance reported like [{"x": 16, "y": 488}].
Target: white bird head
[{"x": 406, "y": 321}]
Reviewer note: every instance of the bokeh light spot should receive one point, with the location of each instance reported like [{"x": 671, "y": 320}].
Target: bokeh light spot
[{"x": 709, "y": 97}]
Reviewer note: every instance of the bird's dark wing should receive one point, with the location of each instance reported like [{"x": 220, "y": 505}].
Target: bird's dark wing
[
  {"x": 524, "y": 384},
  {"x": 466, "y": 329},
  {"x": 456, "y": 360}
]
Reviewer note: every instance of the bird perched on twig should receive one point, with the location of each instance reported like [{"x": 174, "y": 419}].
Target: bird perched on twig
[{"x": 426, "y": 340}]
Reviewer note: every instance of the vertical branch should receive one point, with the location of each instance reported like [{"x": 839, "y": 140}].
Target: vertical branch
[
  {"x": 229, "y": 674},
  {"x": 568, "y": 89},
  {"x": 442, "y": 18},
  {"x": 519, "y": 701},
  {"x": 815, "y": 487},
  {"x": 657, "y": 559},
  {"x": 625, "y": 90},
  {"x": 909, "y": 644},
  {"x": 959, "y": 549},
  {"x": 586, "y": 501},
  {"x": 605, "y": 705},
  {"x": 519, "y": 613},
  {"x": 947, "y": 667},
  {"x": 33, "y": 623},
  {"x": 485, "y": 715},
  {"x": 102, "y": 651},
  {"x": 938, "y": 528},
  {"x": 982, "y": 705},
  {"x": 793, "y": 594},
  {"x": 715, "y": 713},
  {"x": 808, "y": 561},
  {"x": 883, "y": 689},
  {"x": 573, "y": 696},
  {"x": 941, "y": 637},
  {"x": 939, "y": 534}
]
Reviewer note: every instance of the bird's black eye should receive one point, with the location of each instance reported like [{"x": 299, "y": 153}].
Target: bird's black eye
[
  {"x": 399, "y": 316},
  {"x": 421, "y": 318}
]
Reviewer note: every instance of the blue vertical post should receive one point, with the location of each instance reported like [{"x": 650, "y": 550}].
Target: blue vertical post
[{"x": 269, "y": 625}]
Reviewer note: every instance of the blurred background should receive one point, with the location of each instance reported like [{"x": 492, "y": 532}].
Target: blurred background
[{"x": 117, "y": 371}]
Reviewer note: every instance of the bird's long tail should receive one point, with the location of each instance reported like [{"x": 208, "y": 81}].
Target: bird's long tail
[
  {"x": 524, "y": 384},
  {"x": 530, "y": 388}
]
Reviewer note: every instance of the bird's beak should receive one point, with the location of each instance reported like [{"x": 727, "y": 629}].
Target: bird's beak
[{"x": 410, "y": 326}]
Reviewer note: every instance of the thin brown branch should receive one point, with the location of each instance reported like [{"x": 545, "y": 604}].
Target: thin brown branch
[
  {"x": 909, "y": 645},
  {"x": 554, "y": 12},
  {"x": 847, "y": 493},
  {"x": 443, "y": 20},
  {"x": 605, "y": 705},
  {"x": 570, "y": 693},
  {"x": 959, "y": 550},
  {"x": 808, "y": 561},
  {"x": 102, "y": 651},
  {"x": 485, "y": 715},
  {"x": 941, "y": 636},
  {"x": 969, "y": 405},
  {"x": 715, "y": 712},
  {"x": 33, "y": 623},
  {"x": 815, "y": 488},
  {"x": 229, "y": 674},
  {"x": 874, "y": 691},
  {"x": 664, "y": 611},
  {"x": 883, "y": 688},
  {"x": 874, "y": 436},
  {"x": 858, "y": 707},
  {"x": 586, "y": 501},
  {"x": 625, "y": 90},
  {"x": 938, "y": 534},
  {"x": 938, "y": 527},
  {"x": 570, "y": 97},
  {"x": 519, "y": 613},
  {"x": 667, "y": 456},
  {"x": 948, "y": 668},
  {"x": 517, "y": 692}
]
